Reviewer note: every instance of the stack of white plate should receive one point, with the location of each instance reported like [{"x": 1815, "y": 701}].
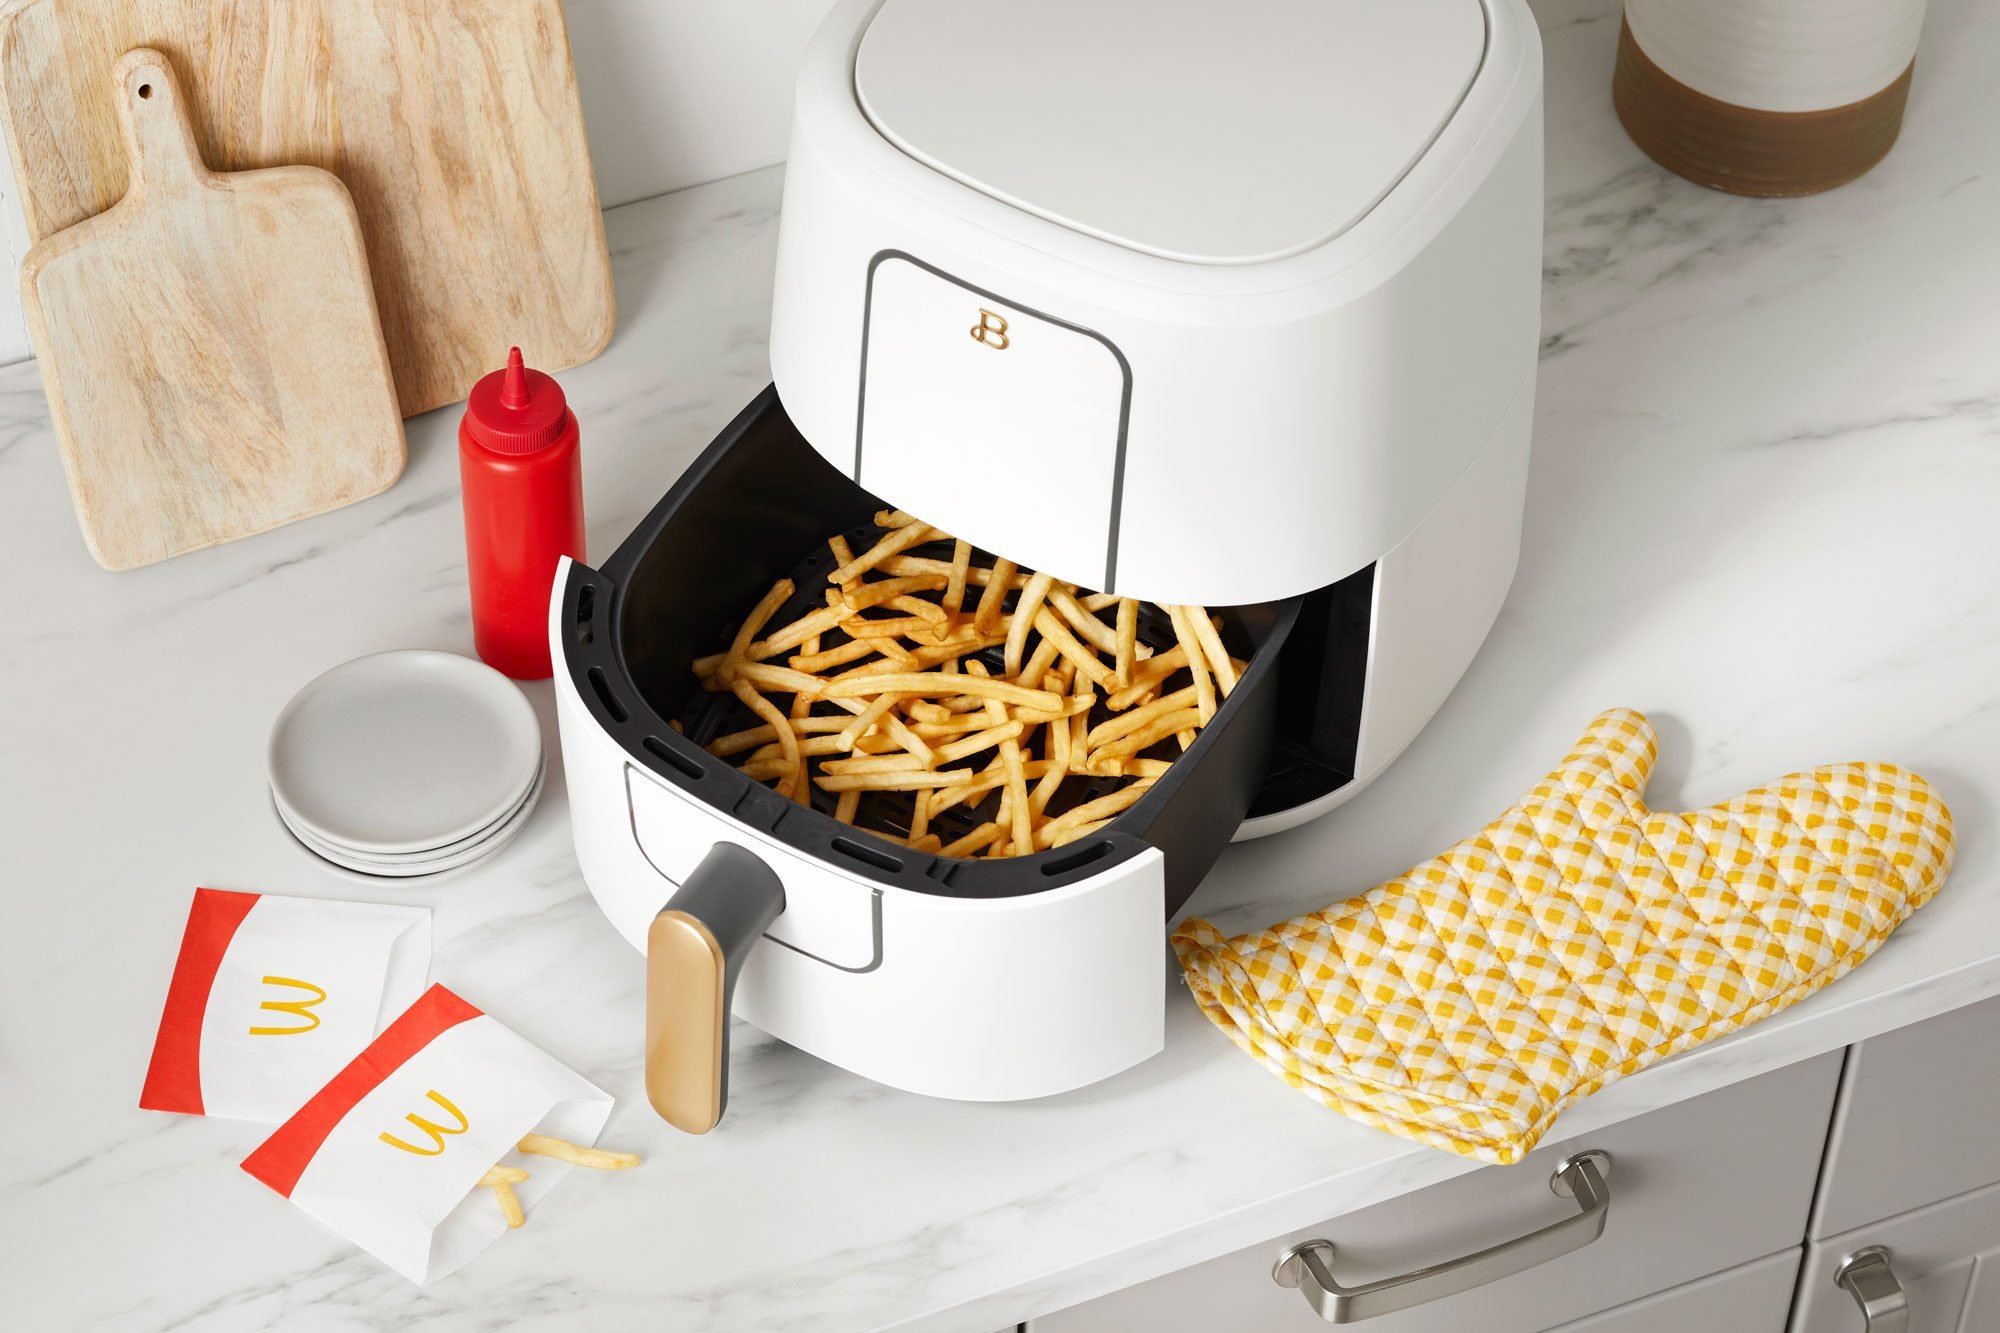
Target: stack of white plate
[{"x": 406, "y": 764}]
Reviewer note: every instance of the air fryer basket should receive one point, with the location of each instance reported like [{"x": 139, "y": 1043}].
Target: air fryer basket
[{"x": 759, "y": 505}]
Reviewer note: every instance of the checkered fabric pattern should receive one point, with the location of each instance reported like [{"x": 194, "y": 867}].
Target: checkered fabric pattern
[{"x": 1577, "y": 938}]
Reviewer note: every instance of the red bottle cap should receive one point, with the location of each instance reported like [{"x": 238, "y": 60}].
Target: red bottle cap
[{"x": 516, "y": 410}]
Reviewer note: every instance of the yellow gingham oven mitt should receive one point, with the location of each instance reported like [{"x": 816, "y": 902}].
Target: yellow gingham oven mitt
[{"x": 1576, "y": 939}]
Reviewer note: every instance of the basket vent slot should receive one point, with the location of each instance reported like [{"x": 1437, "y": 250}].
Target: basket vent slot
[
  {"x": 867, "y": 855},
  {"x": 1082, "y": 856},
  {"x": 604, "y": 695},
  {"x": 586, "y": 606},
  {"x": 672, "y": 758}
]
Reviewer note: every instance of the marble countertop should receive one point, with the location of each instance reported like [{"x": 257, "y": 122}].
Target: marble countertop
[{"x": 1763, "y": 508}]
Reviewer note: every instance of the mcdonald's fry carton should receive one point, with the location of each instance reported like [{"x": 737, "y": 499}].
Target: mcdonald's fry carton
[
  {"x": 391, "y": 1151},
  {"x": 272, "y": 995}
]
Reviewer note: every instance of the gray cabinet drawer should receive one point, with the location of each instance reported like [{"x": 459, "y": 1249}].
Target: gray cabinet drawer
[
  {"x": 1916, "y": 1120},
  {"x": 1946, "y": 1258},
  {"x": 1751, "y": 1298},
  {"x": 1695, "y": 1188}
]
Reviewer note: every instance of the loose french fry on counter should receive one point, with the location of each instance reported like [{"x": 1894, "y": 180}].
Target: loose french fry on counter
[
  {"x": 501, "y": 1178},
  {"x": 934, "y": 684}
]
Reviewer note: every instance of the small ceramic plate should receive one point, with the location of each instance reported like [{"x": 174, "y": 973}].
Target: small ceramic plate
[
  {"x": 306, "y": 834},
  {"x": 412, "y": 869},
  {"x": 404, "y": 752},
  {"x": 464, "y": 849}
]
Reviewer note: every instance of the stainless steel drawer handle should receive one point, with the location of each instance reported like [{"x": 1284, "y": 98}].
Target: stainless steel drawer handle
[
  {"x": 1580, "y": 1177},
  {"x": 1866, "y": 1276}
]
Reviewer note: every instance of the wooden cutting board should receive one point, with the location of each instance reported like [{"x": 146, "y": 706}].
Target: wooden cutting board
[
  {"x": 209, "y": 344},
  {"x": 455, "y": 125}
]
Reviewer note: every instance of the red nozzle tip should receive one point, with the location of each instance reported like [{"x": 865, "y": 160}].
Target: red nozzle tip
[{"x": 514, "y": 388}]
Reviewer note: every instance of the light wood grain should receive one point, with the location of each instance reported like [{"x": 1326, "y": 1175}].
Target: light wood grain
[
  {"x": 455, "y": 125},
  {"x": 209, "y": 344}
]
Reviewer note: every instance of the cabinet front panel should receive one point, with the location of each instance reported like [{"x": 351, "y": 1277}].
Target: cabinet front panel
[
  {"x": 1946, "y": 1257},
  {"x": 1696, "y": 1188},
  {"x": 1752, "y": 1298},
  {"x": 1917, "y": 1120}
]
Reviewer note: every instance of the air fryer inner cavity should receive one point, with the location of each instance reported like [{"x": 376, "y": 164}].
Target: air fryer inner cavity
[{"x": 707, "y": 715}]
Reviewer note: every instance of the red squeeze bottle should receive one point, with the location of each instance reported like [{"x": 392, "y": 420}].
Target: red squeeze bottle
[{"x": 523, "y": 485}]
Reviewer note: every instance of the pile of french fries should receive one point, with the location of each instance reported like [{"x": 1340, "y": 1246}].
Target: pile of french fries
[{"x": 887, "y": 688}]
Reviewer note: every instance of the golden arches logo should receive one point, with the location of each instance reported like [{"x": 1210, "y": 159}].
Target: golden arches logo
[
  {"x": 430, "y": 1127},
  {"x": 296, "y": 1008}
]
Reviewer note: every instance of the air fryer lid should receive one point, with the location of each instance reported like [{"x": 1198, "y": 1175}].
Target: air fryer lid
[{"x": 1215, "y": 133}]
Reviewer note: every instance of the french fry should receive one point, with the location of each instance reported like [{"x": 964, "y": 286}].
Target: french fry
[
  {"x": 1039, "y": 661},
  {"x": 900, "y": 762},
  {"x": 794, "y": 784},
  {"x": 1161, "y": 727},
  {"x": 984, "y": 781},
  {"x": 1092, "y": 811},
  {"x": 1070, "y": 835},
  {"x": 931, "y": 684},
  {"x": 501, "y": 1180},
  {"x": 1002, "y": 734},
  {"x": 954, "y": 588},
  {"x": 909, "y": 740},
  {"x": 1098, "y": 601},
  {"x": 600, "y": 1159},
  {"x": 1126, "y": 651},
  {"x": 1220, "y": 663},
  {"x": 780, "y": 680},
  {"x": 978, "y": 576},
  {"x": 814, "y": 663},
  {"x": 1150, "y": 673},
  {"x": 1132, "y": 719},
  {"x": 892, "y": 518},
  {"x": 902, "y": 539},
  {"x": 908, "y": 780},
  {"x": 1071, "y": 706},
  {"x": 1024, "y": 620},
  {"x": 987, "y": 619},
  {"x": 1087, "y": 626},
  {"x": 845, "y": 806},
  {"x": 755, "y": 621},
  {"x": 796, "y": 633},
  {"x": 1066, "y": 643},
  {"x": 864, "y": 595},
  {"x": 865, "y": 719},
  {"x": 885, "y": 629},
  {"x": 1204, "y": 687},
  {"x": 972, "y": 842}
]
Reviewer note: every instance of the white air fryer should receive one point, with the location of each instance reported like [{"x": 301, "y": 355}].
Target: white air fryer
[{"x": 1234, "y": 305}]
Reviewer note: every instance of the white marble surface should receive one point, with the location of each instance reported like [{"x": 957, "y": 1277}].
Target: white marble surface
[{"x": 1763, "y": 507}]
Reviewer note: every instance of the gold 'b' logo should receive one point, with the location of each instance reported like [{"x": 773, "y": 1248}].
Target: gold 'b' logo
[
  {"x": 991, "y": 330},
  {"x": 430, "y": 1127},
  {"x": 296, "y": 1008}
]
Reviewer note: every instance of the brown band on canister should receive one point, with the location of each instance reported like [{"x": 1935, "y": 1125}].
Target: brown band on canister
[{"x": 1744, "y": 150}]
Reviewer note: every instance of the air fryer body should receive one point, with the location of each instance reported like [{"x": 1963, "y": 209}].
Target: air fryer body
[
  {"x": 1330, "y": 445},
  {"x": 974, "y": 979}
]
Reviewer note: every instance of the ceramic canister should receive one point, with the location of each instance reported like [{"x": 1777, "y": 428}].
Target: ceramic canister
[{"x": 1766, "y": 97}]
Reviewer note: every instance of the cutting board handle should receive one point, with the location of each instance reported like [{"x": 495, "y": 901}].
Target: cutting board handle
[{"x": 158, "y": 134}]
